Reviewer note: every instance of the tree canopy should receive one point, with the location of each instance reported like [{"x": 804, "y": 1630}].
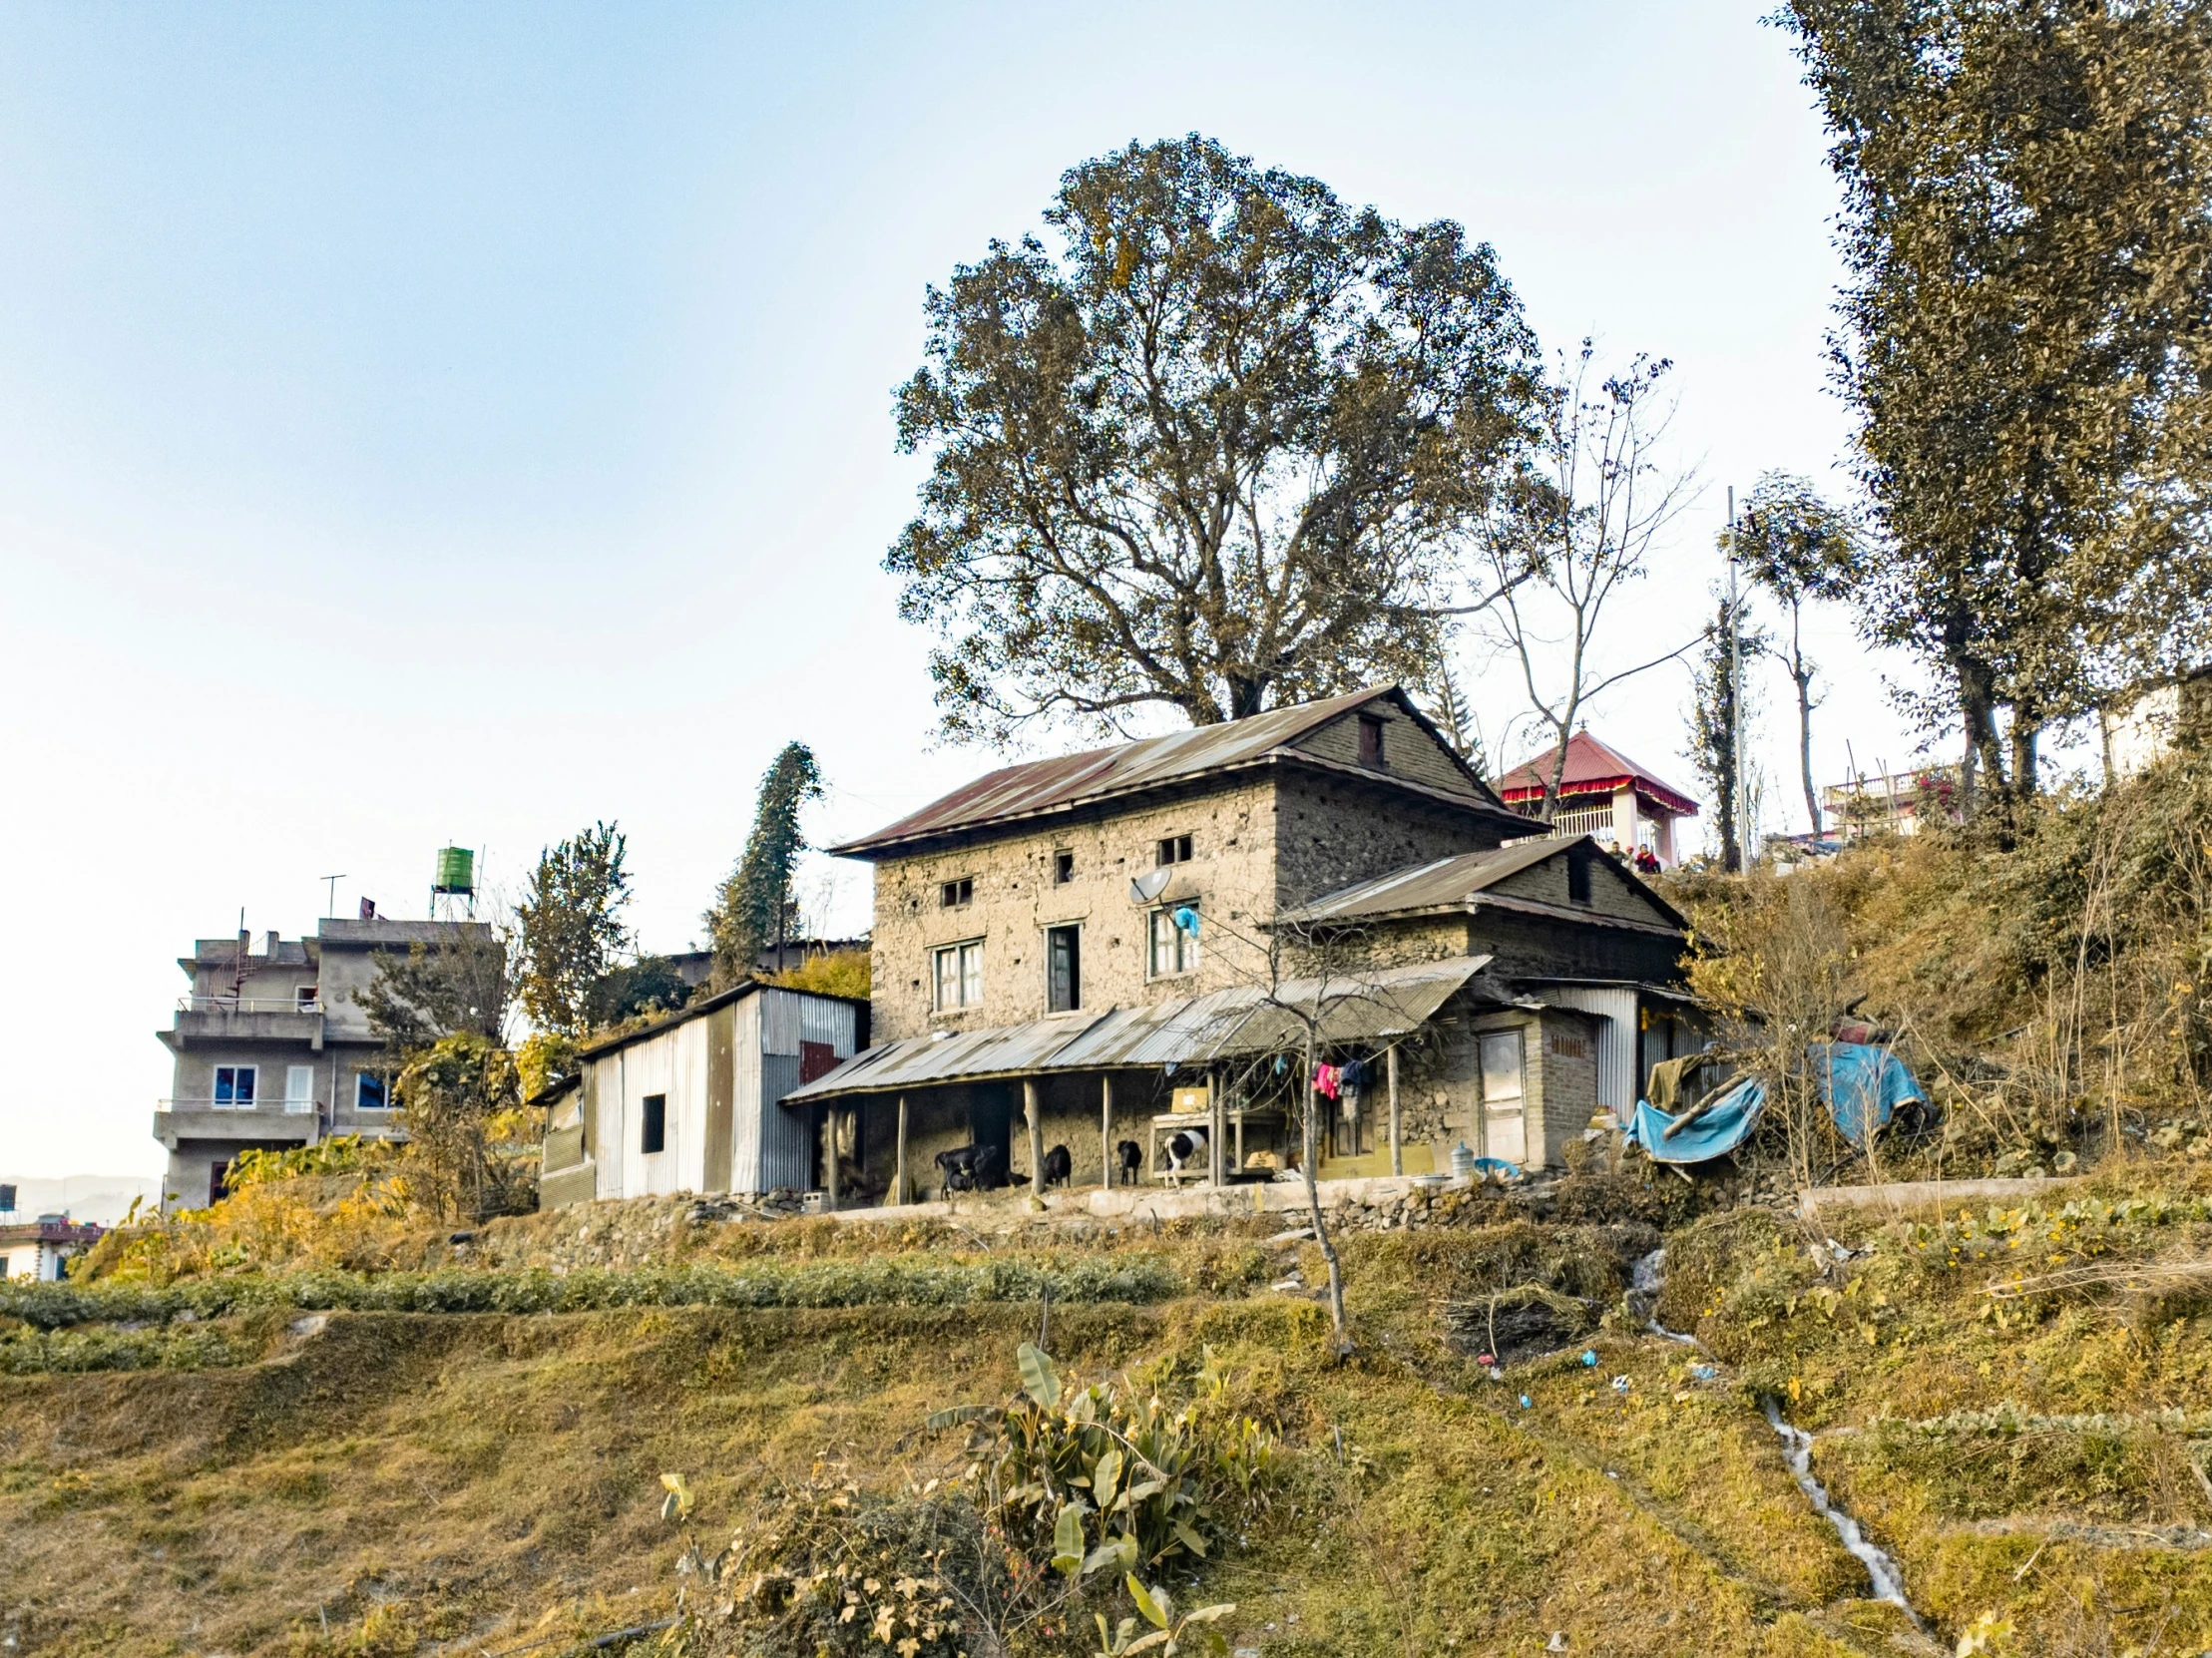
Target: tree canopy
[
  {"x": 571, "y": 930},
  {"x": 1215, "y": 451},
  {"x": 754, "y": 908},
  {"x": 2026, "y": 331}
]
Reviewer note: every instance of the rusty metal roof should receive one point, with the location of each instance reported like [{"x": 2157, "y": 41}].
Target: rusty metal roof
[
  {"x": 1069, "y": 780},
  {"x": 1445, "y": 883},
  {"x": 1453, "y": 884},
  {"x": 1367, "y": 1007}
]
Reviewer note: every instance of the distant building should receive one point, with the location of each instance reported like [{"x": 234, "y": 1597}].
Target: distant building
[
  {"x": 37, "y": 1248},
  {"x": 274, "y": 1050},
  {"x": 2142, "y": 728},
  {"x": 1897, "y": 802},
  {"x": 1603, "y": 794}
]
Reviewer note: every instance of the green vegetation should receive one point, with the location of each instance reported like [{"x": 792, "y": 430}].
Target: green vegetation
[{"x": 755, "y": 909}]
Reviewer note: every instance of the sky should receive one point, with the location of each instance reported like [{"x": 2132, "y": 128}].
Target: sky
[{"x": 427, "y": 424}]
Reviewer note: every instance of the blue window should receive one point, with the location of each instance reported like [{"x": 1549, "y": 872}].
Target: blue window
[
  {"x": 368, "y": 1093},
  {"x": 234, "y": 1087}
]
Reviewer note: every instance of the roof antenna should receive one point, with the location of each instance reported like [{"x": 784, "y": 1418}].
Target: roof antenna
[{"x": 330, "y": 909}]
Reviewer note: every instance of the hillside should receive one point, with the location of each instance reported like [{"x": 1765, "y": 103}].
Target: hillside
[{"x": 469, "y": 1457}]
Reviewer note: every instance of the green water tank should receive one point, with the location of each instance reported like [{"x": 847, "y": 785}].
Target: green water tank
[{"x": 456, "y": 869}]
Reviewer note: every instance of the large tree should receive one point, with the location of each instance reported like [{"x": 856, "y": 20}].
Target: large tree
[
  {"x": 571, "y": 930},
  {"x": 1214, "y": 451},
  {"x": 2025, "y": 329},
  {"x": 755, "y": 909}
]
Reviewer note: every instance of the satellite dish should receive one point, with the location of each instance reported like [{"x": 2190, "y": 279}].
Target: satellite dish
[{"x": 1150, "y": 884}]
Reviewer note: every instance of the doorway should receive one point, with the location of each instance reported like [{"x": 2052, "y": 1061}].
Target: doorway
[
  {"x": 991, "y": 1118},
  {"x": 1062, "y": 969}
]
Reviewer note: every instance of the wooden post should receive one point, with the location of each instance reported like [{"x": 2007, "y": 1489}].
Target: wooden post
[
  {"x": 1037, "y": 1136},
  {"x": 1106, "y": 1129},
  {"x": 1397, "y": 1147},
  {"x": 898, "y": 1179},
  {"x": 829, "y": 1123},
  {"x": 1215, "y": 1148}
]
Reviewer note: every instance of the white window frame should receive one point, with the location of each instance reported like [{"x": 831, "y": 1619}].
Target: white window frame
[
  {"x": 966, "y": 958},
  {"x": 215, "y": 1088},
  {"x": 1184, "y": 945},
  {"x": 299, "y": 1090},
  {"x": 361, "y": 1076}
]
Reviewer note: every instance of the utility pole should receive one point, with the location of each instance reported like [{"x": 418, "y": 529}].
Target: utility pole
[{"x": 1735, "y": 701}]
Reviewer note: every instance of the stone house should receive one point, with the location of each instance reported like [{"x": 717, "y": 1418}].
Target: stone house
[{"x": 1110, "y": 943}]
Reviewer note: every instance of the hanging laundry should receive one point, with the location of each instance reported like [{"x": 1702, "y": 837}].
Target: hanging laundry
[
  {"x": 1354, "y": 1074},
  {"x": 1325, "y": 1081}
]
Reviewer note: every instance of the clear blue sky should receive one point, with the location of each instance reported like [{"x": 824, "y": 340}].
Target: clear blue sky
[{"x": 428, "y": 422}]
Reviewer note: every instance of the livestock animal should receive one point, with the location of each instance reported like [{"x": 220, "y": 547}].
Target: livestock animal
[
  {"x": 972, "y": 1168},
  {"x": 1131, "y": 1156},
  {"x": 1185, "y": 1146},
  {"x": 1060, "y": 1167}
]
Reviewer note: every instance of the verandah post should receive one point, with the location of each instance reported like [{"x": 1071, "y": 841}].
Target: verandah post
[
  {"x": 1106, "y": 1129},
  {"x": 1037, "y": 1136},
  {"x": 898, "y": 1179},
  {"x": 1397, "y": 1147}
]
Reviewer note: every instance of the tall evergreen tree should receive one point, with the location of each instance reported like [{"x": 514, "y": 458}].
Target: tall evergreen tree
[
  {"x": 1719, "y": 701},
  {"x": 754, "y": 908},
  {"x": 570, "y": 925}
]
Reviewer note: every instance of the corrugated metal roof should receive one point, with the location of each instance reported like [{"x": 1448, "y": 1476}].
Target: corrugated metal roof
[
  {"x": 1039, "y": 787},
  {"x": 1387, "y": 1002},
  {"x": 1447, "y": 883}
]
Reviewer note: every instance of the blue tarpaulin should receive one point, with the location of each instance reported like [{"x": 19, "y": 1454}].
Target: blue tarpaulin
[
  {"x": 1719, "y": 1129},
  {"x": 1861, "y": 1086}
]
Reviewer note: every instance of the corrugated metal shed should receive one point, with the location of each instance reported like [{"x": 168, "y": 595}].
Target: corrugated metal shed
[
  {"x": 1367, "y": 1007},
  {"x": 1040, "y": 786}
]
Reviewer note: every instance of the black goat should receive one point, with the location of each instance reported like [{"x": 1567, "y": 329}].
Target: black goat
[
  {"x": 1059, "y": 1167},
  {"x": 1131, "y": 1156},
  {"x": 972, "y": 1168}
]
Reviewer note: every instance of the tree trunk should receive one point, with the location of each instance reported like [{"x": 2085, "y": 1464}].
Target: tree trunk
[
  {"x": 2026, "y": 729},
  {"x": 1802, "y": 673},
  {"x": 1340, "y": 1330}
]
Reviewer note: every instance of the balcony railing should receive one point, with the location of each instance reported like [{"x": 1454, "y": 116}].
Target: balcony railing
[
  {"x": 248, "y": 1005},
  {"x": 267, "y": 1107}
]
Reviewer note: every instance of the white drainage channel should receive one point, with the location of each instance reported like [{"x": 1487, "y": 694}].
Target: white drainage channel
[{"x": 1797, "y": 1450}]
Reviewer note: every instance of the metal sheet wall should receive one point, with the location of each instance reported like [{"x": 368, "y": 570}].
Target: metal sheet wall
[{"x": 1617, "y": 1082}]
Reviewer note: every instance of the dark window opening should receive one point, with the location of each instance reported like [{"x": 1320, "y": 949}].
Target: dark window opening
[
  {"x": 654, "y": 1123},
  {"x": 1174, "y": 849},
  {"x": 1064, "y": 868},
  {"x": 1063, "y": 969},
  {"x": 1577, "y": 876},
  {"x": 219, "y": 1182},
  {"x": 1371, "y": 741},
  {"x": 954, "y": 894},
  {"x": 369, "y": 1092}
]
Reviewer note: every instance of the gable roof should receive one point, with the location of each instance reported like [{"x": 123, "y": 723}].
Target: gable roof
[
  {"x": 1039, "y": 788},
  {"x": 1453, "y": 883},
  {"x": 1592, "y": 767}
]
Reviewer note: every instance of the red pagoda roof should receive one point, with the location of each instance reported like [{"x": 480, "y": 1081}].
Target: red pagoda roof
[{"x": 1591, "y": 768}]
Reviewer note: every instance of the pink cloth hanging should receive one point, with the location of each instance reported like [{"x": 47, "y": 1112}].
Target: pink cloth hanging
[{"x": 1326, "y": 1078}]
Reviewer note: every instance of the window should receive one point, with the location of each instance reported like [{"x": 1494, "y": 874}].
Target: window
[
  {"x": 955, "y": 894},
  {"x": 1174, "y": 849},
  {"x": 1578, "y": 875},
  {"x": 1064, "y": 868},
  {"x": 369, "y": 1094},
  {"x": 956, "y": 971},
  {"x": 653, "y": 1122},
  {"x": 1062, "y": 969},
  {"x": 299, "y": 1089},
  {"x": 235, "y": 1087},
  {"x": 1371, "y": 741},
  {"x": 305, "y": 998},
  {"x": 1174, "y": 940}
]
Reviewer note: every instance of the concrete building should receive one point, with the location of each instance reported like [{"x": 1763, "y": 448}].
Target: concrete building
[
  {"x": 1114, "y": 944},
  {"x": 694, "y": 1101},
  {"x": 274, "y": 1050},
  {"x": 1603, "y": 794},
  {"x": 40, "y": 1249}
]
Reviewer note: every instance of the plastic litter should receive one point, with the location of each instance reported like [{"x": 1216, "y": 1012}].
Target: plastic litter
[
  {"x": 1526, "y": 1402},
  {"x": 1704, "y": 1372},
  {"x": 1620, "y": 1384},
  {"x": 1589, "y": 1358}
]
